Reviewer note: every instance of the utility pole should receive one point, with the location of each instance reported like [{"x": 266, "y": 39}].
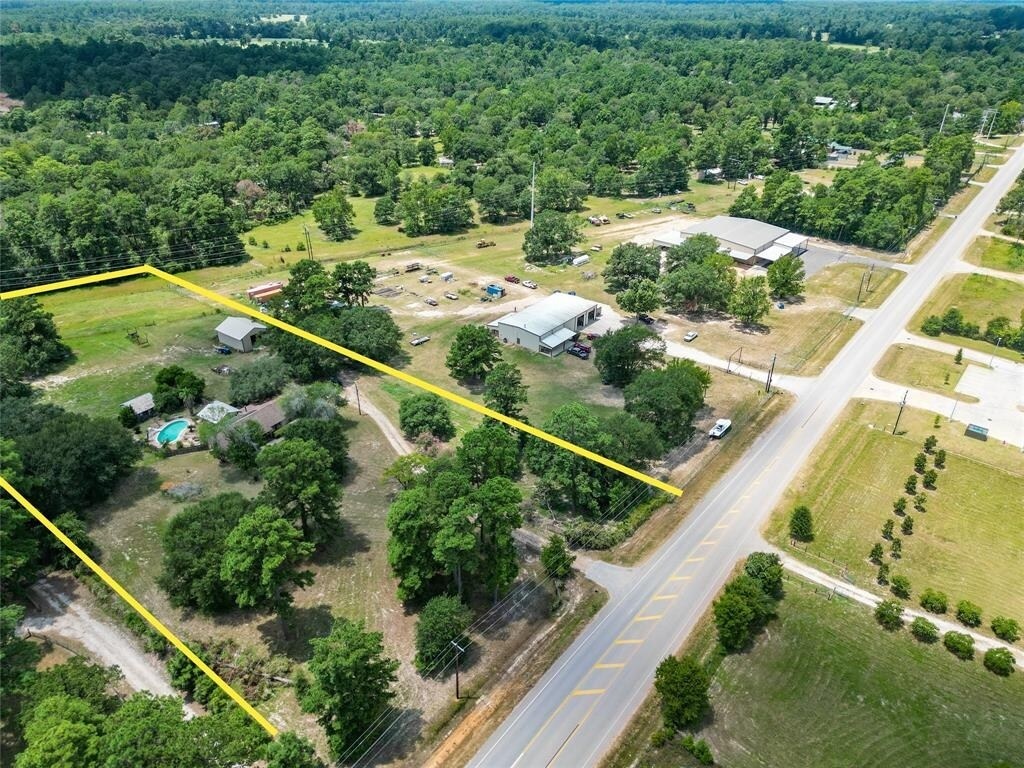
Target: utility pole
[
  {"x": 902, "y": 403},
  {"x": 860, "y": 288},
  {"x": 871, "y": 271},
  {"x": 533, "y": 198},
  {"x": 309, "y": 243},
  {"x": 459, "y": 650},
  {"x": 359, "y": 405},
  {"x": 943, "y": 123},
  {"x": 771, "y": 372},
  {"x": 993, "y": 358}
]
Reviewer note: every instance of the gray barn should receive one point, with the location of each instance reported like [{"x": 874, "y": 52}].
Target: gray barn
[{"x": 550, "y": 325}]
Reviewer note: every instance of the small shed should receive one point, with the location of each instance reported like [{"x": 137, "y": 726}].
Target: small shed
[
  {"x": 142, "y": 406},
  {"x": 495, "y": 291},
  {"x": 977, "y": 431},
  {"x": 238, "y": 333}
]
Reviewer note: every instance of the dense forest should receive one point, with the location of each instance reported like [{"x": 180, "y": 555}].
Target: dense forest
[{"x": 157, "y": 133}]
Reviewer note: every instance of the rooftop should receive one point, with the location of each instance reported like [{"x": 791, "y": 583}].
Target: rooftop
[
  {"x": 548, "y": 313},
  {"x": 239, "y": 327},
  {"x": 214, "y": 411},
  {"x": 141, "y": 404},
  {"x": 748, "y": 233}
]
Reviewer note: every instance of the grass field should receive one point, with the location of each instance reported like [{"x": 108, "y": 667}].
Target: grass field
[
  {"x": 995, "y": 253},
  {"x": 980, "y": 298},
  {"x": 826, "y": 687},
  {"x": 927, "y": 238},
  {"x": 967, "y": 543},
  {"x": 959, "y": 202},
  {"x": 923, "y": 369}
]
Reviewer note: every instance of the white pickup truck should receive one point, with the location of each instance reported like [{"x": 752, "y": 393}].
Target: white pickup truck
[{"x": 721, "y": 427}]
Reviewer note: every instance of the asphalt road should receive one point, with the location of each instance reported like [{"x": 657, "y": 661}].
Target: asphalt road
[{"x": 578, "y": 709}]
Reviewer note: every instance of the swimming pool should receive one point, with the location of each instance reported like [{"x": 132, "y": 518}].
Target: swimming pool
[{"x": 171, "y": 431}]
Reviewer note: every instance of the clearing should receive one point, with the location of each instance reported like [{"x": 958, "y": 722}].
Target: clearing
[
  {"x": 824, "y": 686},
  {"x": 923, "y": 369},
  {"x": 967, "y": 543},
  {"x": 995, "y": 253},
  {"x": 980, "y": 298}
]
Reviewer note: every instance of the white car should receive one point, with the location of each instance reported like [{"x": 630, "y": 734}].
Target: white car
[
  {"x": 721, "y": 427},
  {"x": 690, "y": 336},
  {"x": 529, "y": 284}
]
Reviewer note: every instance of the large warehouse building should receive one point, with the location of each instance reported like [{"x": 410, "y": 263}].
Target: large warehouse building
[
  {"x": 748, "y": 241},
  {"x": 550, "y": 325}
]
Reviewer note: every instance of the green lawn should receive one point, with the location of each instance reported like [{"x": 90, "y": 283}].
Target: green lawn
[
  {"x": 923, "y": 369},
  {"x": 927, "y": 238},
  {"x": 995, "y": 253},
  {"x": 980, "y": 298},
  {"x": 967, "y": 543}
]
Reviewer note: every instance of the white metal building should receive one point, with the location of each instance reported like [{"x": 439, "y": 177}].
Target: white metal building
[
  {"x": 748, "y": 241},
  {"x": 549, "y": 326},
  {"x": 238, "y": 333}
]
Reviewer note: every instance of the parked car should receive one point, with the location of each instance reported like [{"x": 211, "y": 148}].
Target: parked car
[
  {"x": 604, "y": 220},
  {"x": 655, "y": 210},
  {"x": 597, "y": 247},
  {"x": 484, "y": 243},
  {"x": 430, "y": 301},
  {"x": 721, "y": 427},
  {"x": 585, "y": 347},
  {"x": 646, "y": 319},
  {"x": 450, "y": 295},
  {"x": 222, "y": 349},
  {"x": 781, "y": 305},
  {"x": 577, "y": 351},
  {"x": 529, "y": 284},
  {"x": 690, "y": 336},
  {"x": 620, "y": 215},
  {"x": 511, "y": 279},
  {"x": 417, "y": 340}
]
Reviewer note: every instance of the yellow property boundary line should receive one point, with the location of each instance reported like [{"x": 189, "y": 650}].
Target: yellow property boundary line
[
  {"x": 368, "y": 361},
  {"x": 269, "y": 320},
  {"x": 125, "y": 595}
]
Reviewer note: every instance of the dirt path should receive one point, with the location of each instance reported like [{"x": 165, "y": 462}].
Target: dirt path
[
  {"x": 65, "y": 616},
  {"x": 391, "y": 433}
]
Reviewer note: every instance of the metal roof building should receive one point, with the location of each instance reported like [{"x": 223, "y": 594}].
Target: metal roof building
[
  {"x": 748, "y": 241},
  {"x": 550, "y": 325},
  {"x": 238, "y": 333}
]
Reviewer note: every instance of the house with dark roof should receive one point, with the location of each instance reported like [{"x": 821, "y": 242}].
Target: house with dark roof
[
  {"x": 270, "y": 416},
  {"x": 142, "y": 406}
]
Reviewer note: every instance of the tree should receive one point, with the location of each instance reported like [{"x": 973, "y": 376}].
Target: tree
[
  {"x": 329, "y": 434},
  {"x": 62, "y": 732},
  {"x": 630, "y": 263},
  {"x": 558, "y": 190},
  {"x": 488, "y": 451},
  {"x": 929, "y": 443},
  {"x": 434, "y": 207},
  {"x": 876, "y": 553},
  {"x": 455, "y": 543},
  {"x": 889, "y": 614},
  {"x": 669, "y": 398},
  {"x": 896, "y": 548},
  {"x": 959, "y": 644},
  {"x": 940, "y": 458},
  {"x": 910, "y": 486},
  {"x": 766, "y": 568},
  {"x": 924, "y": 630},
  {"x": 883, "y": 574},
  {"x": 900, "y": 586},
  {"x": 705, "y": 285},
  {"x": 413, "y": 522},
  {"x": 240, "y": 444},
  {"x": 930, "y": 478},
  {"x": 19, "y": 546},
  {"x": 741, "y": 611},
  {"x": 193, "y": 547},
  {"x": 630, "y": 441},
  {"x": 999, "y": 661},
  {"x": 497, "y": 514},
  {"x": 334, "y": 215},
  {"x": 907, "y": 526},
  {"x": 624, "y": 354},
  {"x": 385, "y": 211},
  {"x": 352, "y": 683},
  {"x": 69, "y": 475},
  {"x": 801, "y": 526},
  {"x": 261, "y": 558},
  {"x": 920, "y": 502},
  {"x": 299, "y": 482},
  {"x": 442, "y": 621},
  {"x": 426, "y": 413},
  {"x": 31, "y": 343},
  {"x": 405, "y": 470},
  {"x": 682, "y": 685},
  {"x": 354, "y": 281},
  {"x": 899, "y": 506},
  {"x": 504, "y": 391},
  {"x": 556, "y": 559},
  {"x": 695, "y": 249},
  {"x": 426, "y": 151},
  {"x": 473, "y": 353},
  {"x": 1006, "y": 629},
  {"x": 18, "y": 655},
  {"x": 920, "y": 462},
  {"x": 786, "y": 276},
  {"x": 968, "y": 614},
  {"x": 369, "y": 332},
  {"x": 258, "y": 381},
  {"x": 934, "y": 601},
  {"x": 641, "y": 297},
  {"x": 552, "y": 236},
  {"x": 175, "y": 387},
  {"x": 291, "y": 751},
  {"x": 750, "y": 301}
]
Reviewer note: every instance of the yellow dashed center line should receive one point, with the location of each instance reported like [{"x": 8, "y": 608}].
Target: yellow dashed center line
[
  {"x": 648, "y": 618},
  {"x": 589, "y": 691},
  {"x": 680, "y": 578},
  {"x": 694, "y": 559},
  {"x": 609, "y": 666},
  {"x": 628, "y": 641},
  {"x": 664, "y": 597}
]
